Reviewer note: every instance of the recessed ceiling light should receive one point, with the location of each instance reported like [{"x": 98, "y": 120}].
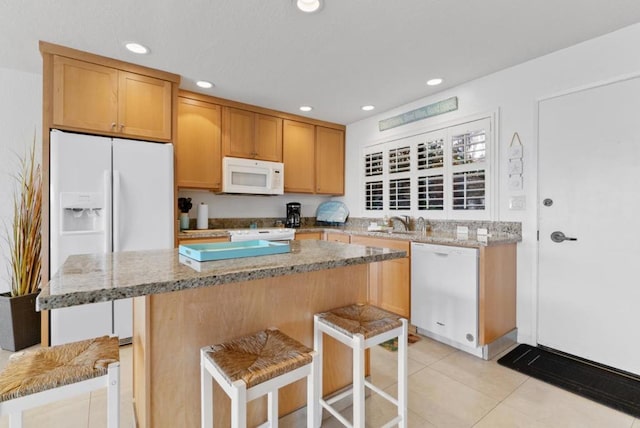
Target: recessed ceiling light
[
  {"x": 204, "y": 84},
  {"x": 434, "y": 82},
  {"x": 308, "y": 6},
  {"x": 306, "y": 108},
  {"x": 368, "y": 107},
  {"x": 137, "y": 48}
]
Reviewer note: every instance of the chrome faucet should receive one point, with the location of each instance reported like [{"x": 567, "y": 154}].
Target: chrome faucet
[
  {"x": 405, "y": 220},
  {"x": 421, "y": 225}
]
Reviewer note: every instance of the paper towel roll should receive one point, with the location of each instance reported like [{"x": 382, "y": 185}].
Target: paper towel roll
[{"x": 203, "y": 216}]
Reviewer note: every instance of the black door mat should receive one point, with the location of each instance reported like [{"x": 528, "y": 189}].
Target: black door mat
[{"x": 603, "y": 385}]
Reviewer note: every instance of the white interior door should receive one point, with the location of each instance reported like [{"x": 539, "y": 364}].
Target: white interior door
[{"x": 588, "y": 175}]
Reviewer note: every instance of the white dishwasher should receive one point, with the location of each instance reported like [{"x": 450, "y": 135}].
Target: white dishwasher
[{"x": 444, "y": 293}]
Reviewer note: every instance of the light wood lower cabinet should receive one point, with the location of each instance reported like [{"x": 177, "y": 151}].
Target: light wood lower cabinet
[
  {"x": 308, "y": 235},
  {"x": 198, "y": 146},
  {"x": 390, "y": 281},
  {"x": 337, "y": 237}
]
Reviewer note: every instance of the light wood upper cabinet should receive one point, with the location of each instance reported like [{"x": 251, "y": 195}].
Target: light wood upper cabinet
[
  {"x": 144, "y": 106},
  {"x": 99, "y": 98},
  {"x": 329, "y": 161},
  {"x": 298, "y": 152},
  {"x": 85, "y": 95},
  {"x": 313, "y": 158},
  {"x": 252, "y": 135},
  {"x": 389, "y": 281},
  {"x": 198, "y": 145}
]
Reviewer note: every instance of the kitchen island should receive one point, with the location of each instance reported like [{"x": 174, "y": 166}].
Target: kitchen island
[{"x": 178, "y": 310}]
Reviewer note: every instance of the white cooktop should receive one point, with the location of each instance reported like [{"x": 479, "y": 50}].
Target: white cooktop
[{"x": 267, "y": 234}]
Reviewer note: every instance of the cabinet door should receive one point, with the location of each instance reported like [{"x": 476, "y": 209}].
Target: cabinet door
[
  {"x": 198, "y": 146},
  {"x": 238, "y": 133},
  {"x": 308, "y": 235},
  {"x": 144, "y": 106},
  {"x": 338, "y": 237},
  {"x": 85, "y": 95},
  {"x": 298, "y": 141},
  {"x": 329, "y": 161},
  {"x": 268, "y": 138},
  {"x": 390, "y": 281}
]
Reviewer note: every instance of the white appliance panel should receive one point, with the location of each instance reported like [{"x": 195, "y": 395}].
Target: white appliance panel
[
  {"x": 143, "y": 215},
  {"x": 444, "y": 291},
  {"x": 135, "y": 214},
  {"x": 77, "y": 168},
  {"x": 142, "y": 209}
]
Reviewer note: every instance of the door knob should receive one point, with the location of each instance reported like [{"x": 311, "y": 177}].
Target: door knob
[{"x": 559, "y": 237}]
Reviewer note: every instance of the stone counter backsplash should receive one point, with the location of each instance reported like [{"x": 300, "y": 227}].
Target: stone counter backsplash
[{"x": 437, "y": 226}]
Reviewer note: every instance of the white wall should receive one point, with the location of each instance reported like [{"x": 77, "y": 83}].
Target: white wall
[
  {"x": 513, "y": 92},
  {"x": 239, "y": 206},
  {"x": 20, "y": 123}
]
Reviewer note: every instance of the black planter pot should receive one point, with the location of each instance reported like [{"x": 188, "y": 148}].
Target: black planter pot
[{"x": 19, "y": 322}]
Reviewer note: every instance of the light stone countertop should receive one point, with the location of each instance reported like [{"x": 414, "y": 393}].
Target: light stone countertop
[
  {"x": 440, "y": 237},
  {"x": 95, "y": 278}
]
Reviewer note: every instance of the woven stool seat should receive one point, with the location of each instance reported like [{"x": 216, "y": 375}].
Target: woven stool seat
[
  {"x": 252, "y": 366},
  {"x": 257, "y": 358},
  {"x": 36, "y": 377},
  {"x": 41, "y": 369},
  {"x": 367, "y": 320}
]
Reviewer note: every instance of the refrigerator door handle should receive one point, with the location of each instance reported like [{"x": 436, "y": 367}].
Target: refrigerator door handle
[
  {"x": 116, "y": 211},
  {"x": 106, "y": 181}
]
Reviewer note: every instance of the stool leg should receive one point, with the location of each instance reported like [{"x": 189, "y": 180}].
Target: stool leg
[
  {"x": 312, "y": 398},
  {"x": 15, "y": 420},
  {"x": 358, "y": 381},
  {"x": 113, "y": 395},
  {"x": 403, "y": 349},
  {"x": 272, "y": 411},
  {"x": 239, "y": 405},
  {"x": 206, "y": 395},
  {"x": 317, "y": 346}
]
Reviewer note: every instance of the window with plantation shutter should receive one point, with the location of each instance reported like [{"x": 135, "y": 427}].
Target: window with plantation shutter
[
  {"x": 399, "y": 160},
  {"x": 400, "y": 194},
  {"x": 444, "y": 173},
  {"x": 373, "y": 164},
  {"x": 373, "y": 195},
  {"x": 468, "y": 190},
  {"x": 431, "y": 193}
]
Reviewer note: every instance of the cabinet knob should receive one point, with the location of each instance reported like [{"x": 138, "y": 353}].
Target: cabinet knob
[
  {"x": 113, "y": 125},
  {"x": 122, "y": 127}
]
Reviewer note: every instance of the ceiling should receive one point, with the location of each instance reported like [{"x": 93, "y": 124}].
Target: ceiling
[{"x": 351, "y": 53}]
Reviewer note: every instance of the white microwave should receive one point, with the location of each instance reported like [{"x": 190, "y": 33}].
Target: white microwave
[{"x": 251, "y": 176}]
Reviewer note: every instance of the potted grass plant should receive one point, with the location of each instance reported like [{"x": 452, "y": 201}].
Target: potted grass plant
[{"x": 19, "y": 321}]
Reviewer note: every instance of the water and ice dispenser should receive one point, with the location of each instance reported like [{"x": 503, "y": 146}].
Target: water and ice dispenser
[{"x": 82, "y": 212}]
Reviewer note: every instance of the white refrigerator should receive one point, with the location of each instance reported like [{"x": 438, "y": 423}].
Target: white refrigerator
[{"x": 106, "y": 194}]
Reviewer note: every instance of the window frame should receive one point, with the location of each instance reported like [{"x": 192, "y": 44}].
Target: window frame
[{"x": 413, "y": 139}]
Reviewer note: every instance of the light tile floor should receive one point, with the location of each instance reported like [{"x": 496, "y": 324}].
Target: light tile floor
[{"x": 447, "y": 388}]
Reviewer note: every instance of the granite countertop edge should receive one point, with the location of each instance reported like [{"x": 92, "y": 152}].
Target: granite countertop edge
[{"x": 47, "y": 301}]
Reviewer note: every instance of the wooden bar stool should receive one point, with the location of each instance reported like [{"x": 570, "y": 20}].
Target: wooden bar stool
[
  {"x": 360, "y": 327},
  {"x": 252, "y": 366},
  {"x": 41, "y": 376}
]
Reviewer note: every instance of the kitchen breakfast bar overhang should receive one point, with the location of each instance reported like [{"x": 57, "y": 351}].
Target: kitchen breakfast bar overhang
[{"x": 178, "y": 310}]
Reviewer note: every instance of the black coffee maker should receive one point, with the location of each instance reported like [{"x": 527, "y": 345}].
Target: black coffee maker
[{"x": 293, "y": 214}]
